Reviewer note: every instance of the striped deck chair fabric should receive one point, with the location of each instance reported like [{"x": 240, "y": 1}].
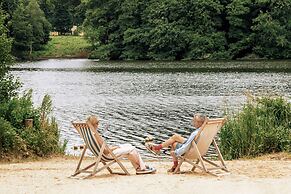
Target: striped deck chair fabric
[
  {"x": 200, "y": 146},
  {"x": 89, "y": 136},
  {"x": 92, "y": 144}
]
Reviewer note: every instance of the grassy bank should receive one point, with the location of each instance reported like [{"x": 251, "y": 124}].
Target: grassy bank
[
  {"x": 263, "y": 126},
  {"x": 64, "y": 47}
]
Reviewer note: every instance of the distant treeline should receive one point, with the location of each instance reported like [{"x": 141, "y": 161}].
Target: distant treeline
[
  {"x": 158, "y": 29},
  {"x": 189, "y": 29},
  {"x": 29, "y": 22}
]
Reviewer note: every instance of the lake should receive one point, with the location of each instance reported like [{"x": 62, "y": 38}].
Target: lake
[{"x": 137, "y": 99}]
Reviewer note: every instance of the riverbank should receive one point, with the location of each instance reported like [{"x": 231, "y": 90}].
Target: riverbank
[
  {"x": 268, "y": 174},
  {"x": 64, "y": 47}
]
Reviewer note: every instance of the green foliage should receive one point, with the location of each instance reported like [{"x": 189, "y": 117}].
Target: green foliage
[
  {"x": 275, "y": 25},
  {"x": 5, "y": 45},
  {"x": 22, "y": 31},
  {"x": 8, "y": 136},
  {"x": 8, "y": 85},
  {"x": 40, "y": 26},
  {"x": 63, "y": 20},
  {"x": 263, "y": 126},
  {"x": 211, "y": 46},
  {"x": 187, "y": 29},
  {"x": 30, "y": 29},
  {"x": 18, "y": 109},
  {"x": 8, "y": 6},
  {"x": 136, "y": 44},
  {"x": 64, "y": 14},
  {"x": 41, "y": 139},
  {"x": 158, "y": 29},
  {"x": 48, "y": 7},
  {"x": 154, "y": 29}
]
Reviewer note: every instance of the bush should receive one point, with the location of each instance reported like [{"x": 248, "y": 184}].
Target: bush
[
  {"x": 42, "y": 139},
  {"x": 7, "y": 136},
  {"x": 263, "y": 126},
  {"x": 8, "y": 84}
]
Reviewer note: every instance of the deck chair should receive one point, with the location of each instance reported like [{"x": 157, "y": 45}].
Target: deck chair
[
  {"x": 200, "y": 146},
  {"x": 89, "y": 136}
]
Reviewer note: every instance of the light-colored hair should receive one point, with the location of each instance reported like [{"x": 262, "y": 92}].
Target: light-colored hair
[
  {"x": 93, "y": 120},
  {"x": 200, "y": 117}
]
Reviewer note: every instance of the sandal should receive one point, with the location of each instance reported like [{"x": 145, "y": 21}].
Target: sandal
[
  {"x": 147, "y": 170},
  {"x": 150, "y": 147}
]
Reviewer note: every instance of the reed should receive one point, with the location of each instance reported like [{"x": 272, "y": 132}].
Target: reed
[{"x": 262, "y": 126}]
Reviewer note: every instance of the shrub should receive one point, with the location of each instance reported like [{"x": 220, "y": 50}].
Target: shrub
[
  {"x": 8, "y": 135},
  {"x": 8, "y": 84},
  {"x": 18, "y": 109},
  {"x": 262, "y": 126},
  {"x": 41, "y": 139}
]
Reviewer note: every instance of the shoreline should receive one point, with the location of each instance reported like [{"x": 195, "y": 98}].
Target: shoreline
[{"x": 197, "y": 60}]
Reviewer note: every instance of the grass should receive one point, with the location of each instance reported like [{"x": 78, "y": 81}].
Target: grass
[
  {"x": 64, "y": 47},
  {"x": 262, "y": 127}
]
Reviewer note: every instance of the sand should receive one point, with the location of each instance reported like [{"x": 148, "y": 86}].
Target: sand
[{"x": 265, "y": 175}]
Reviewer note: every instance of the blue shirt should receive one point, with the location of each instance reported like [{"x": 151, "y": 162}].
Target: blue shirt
[{"x": 187, "y": 144}]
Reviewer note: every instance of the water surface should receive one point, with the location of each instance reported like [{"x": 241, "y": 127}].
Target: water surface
[{"x": 137, "y": 99}]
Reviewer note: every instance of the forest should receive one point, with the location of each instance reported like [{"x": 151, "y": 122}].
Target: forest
[{"x": 155, "y": 29}]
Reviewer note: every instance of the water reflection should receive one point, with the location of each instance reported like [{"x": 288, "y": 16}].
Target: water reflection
[{"x": 138, "y": 99}]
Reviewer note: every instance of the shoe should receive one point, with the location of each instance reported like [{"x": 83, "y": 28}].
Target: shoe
[
  {"x": 150, "y": 147},
  {"x": 148, "y": 170}
]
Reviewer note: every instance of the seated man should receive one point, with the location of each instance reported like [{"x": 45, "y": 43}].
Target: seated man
[
  {"x": 127, "y": 150},
  {"x": 179, "y": 145}
]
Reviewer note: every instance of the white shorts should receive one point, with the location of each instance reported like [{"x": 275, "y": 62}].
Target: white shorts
[{"x": 123, "y": 149}]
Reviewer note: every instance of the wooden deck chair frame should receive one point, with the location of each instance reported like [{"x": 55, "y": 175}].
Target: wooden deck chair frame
[
  {"x": 106, "y": 160},
  {"x": 200, "y": 157}
]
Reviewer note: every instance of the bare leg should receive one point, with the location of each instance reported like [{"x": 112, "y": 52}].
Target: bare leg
[
  {"x": 176, "y": 138},
  {"x": 131, "y": 154},
  {"x": 173, "y": 147},
  {"x": 136, "y": 160}
]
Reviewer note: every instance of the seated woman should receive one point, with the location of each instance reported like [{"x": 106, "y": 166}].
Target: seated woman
[{"x": 129, "y": 151}]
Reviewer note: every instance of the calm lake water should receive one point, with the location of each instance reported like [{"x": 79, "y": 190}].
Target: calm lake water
[{"x": 137, "y": 99}]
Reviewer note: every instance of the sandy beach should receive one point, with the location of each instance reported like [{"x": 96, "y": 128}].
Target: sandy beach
[{"x": 262, "y": 175}]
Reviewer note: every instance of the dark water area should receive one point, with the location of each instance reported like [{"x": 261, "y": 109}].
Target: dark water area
[{"x": 137, "y": 99}]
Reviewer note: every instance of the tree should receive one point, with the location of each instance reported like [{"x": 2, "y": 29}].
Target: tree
[
  {"x": 272, "y": 30},
  {"x": 30, "y": 29},
  {"x": 156, "y": 29},
  {"x": 40, "y": 26},
  {"x": 22, "y": 32},
  {"x": 8, "y": 6},
  {"x": 5, "y": 42},
  {"x": 8, "y": 85},
  {"x": 261, "y": 27},
  {"x": 48, "y": 7},
  {"x": 135, "y": 34},
  {"x": 103, "y": 29},
  {"x": 63, "y": 20},
  {"x": 177, "y": 25},
  {"x": 79, "y": 12},
  {"x": 240, "y": 14}
]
